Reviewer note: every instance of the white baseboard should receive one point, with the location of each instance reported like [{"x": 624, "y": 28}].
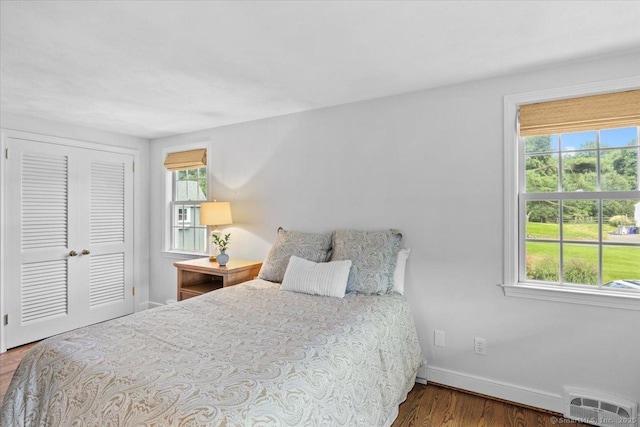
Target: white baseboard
[
  {"x": 151, "y": 304},
  {"x": 514, "y": 393},
  {"x": 148, "y": 304}
]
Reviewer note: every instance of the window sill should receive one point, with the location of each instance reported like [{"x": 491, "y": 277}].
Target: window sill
[
  {"x": 181, "y": 256},
  {"x": 596, "y": 297}
]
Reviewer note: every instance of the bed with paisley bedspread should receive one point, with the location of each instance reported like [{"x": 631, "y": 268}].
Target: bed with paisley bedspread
[{"x": 250, "y": 354}]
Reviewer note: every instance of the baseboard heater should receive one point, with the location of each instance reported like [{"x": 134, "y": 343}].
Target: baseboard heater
[{"x": 600, "y": 410}]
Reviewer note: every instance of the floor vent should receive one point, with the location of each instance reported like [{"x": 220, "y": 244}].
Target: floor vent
[{"x": 599, "y": 410}]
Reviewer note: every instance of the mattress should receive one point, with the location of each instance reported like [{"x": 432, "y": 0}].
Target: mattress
[{"x": 250, "y": 354}]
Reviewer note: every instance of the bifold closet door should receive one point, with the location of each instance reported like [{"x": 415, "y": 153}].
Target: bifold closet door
[{"x": 68, "y": 238}]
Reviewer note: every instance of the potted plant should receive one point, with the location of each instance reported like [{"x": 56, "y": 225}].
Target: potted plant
[{"x": 222, "y": 243}]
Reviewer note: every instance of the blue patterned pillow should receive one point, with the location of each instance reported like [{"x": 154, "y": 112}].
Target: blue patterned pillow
[
  {"x": 310, "y": 246},
  {"x": 373, "y": 255}
]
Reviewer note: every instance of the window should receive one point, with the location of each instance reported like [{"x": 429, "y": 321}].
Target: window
[
  {"x": 188, "y": 189},
  {"x": 184, "y": 215},
  {"x": 575, "y": 209}
]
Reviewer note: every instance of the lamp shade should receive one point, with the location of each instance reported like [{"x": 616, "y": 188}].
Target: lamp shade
[{"x": 215, "y": 213}]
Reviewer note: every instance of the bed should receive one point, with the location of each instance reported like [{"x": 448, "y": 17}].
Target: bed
[{"x": 252, "y": 354}]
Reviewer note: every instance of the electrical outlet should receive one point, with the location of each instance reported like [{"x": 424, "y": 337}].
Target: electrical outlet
[
  {"x": 438, "y": 338},
  {"x": 480, "y": 345}
]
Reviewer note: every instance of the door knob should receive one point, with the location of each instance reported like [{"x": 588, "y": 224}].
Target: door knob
[
  {"x": 86, "y": 252},
  {"x": 73, "y": 253}
]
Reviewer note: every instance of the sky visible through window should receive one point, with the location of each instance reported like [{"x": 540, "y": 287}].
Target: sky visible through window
[{"x": 609, "y": 138}]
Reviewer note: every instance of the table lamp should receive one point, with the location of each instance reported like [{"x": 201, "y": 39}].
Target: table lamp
[{"x": 215, "y": 213}]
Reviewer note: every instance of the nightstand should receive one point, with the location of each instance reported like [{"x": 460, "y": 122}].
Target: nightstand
[{"x": 199, "y": 276}]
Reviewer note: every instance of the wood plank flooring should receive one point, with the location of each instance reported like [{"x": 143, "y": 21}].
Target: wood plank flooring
[
  {"x": 432, "y": 405},
  {"x": 8, "y": 363},
  {"x": 435, "y": 405}
]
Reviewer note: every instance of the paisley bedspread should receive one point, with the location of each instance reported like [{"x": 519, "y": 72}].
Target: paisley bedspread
[{"x": 247, "y": 355}]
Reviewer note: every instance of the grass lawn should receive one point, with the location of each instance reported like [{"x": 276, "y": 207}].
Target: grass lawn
[
  {"x": 618, "y": 262},
  {"x": 543, "y": 230}
]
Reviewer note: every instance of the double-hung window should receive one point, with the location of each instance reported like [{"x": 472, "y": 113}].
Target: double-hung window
[
  {"x": 577, "y": 181},
  {"x": 188, "y": 189}
]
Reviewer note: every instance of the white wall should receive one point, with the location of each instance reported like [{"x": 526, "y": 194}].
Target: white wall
[
  {"x": 430, "y": 164},
  {"x": 141, "y": 181}
]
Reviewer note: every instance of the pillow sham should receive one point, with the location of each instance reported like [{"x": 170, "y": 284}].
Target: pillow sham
[
  {"x": 310, "y": 246},
  {"x": 398, "y": 274},
  {"x": 373, "y": 255},
  {"x": 308, "y": 277}
]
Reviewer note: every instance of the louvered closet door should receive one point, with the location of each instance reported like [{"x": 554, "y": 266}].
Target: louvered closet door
[
  {"x": 109, "y": 224},
  {"x": 61, "y": 199}
]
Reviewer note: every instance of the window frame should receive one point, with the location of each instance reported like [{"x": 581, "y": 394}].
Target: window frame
[
  {"x": 170, "y": 190},
  {"x": 513, "y": 241}
]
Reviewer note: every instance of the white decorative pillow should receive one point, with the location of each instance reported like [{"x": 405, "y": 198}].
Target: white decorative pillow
[
  {"x": 311, "y": 246},
  {"x": 308, "y": 277},
  {"x": 373, "y": 254},
  {"x": 398, "y": 274}
]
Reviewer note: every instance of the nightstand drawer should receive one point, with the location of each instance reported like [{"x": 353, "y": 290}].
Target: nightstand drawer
[
  {"x": 186, "y": 294},
  {"x": 199, "y": 276}
]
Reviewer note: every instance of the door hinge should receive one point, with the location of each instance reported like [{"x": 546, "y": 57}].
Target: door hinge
[
  {"x": 6, "y": 153},
  {"x": 6, "y": 319},
  {"x": 133, "y": 167},
  {"x": 133, "y": 291}
]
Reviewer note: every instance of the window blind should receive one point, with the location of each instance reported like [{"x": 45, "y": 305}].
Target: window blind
[
  {"x": 186, "y": 159},
  {"x": 611, "y": 110}
]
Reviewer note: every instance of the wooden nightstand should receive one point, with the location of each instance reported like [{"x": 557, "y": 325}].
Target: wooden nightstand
[{"x": 199, "y": 276}]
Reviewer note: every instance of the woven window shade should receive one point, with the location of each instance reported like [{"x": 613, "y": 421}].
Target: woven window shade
[
  {"x": 611, "y": 110},
  {"x": 186, "y": 159}
]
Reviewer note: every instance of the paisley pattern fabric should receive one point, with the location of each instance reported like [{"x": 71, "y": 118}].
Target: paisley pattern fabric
[
  {"x": 247, "y": 355},
  {"x": 310, "y": 246},
  {"x": 373, "y": 254}
]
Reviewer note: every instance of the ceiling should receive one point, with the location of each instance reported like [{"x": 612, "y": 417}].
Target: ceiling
[{"x": 159, "y": 68}]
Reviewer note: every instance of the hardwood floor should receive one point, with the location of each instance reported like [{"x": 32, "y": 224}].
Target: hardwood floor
[
  {"x": 8, "y": 363},
  {"x": 432, "y": 405},
  {"x": 436, "y": 405}
]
